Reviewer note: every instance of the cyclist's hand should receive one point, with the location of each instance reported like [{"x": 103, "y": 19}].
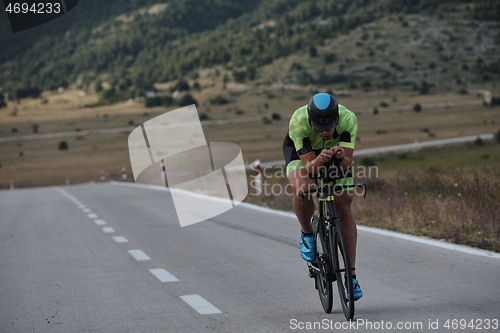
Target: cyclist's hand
[
  {"x": 338, "y": 152},
  {"x": 326, "y": 155}
]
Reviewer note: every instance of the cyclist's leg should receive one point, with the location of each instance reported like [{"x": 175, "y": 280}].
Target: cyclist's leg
[
  {"x": 300, "y": 181},
  {"x": 343, "y": 203}
]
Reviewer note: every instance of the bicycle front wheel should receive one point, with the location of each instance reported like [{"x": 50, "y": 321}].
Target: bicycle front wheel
[
  {"x": 342, "y": 264},
  {"x": 323, "y": 260}
]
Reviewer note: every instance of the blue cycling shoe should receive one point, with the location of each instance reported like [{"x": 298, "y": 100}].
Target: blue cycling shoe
[
  {"x": 357, "y": 289},
  {"x": 307, "y": 247}
]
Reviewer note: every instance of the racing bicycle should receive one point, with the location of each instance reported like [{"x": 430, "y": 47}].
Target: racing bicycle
[{"x": 332, "y": 257}]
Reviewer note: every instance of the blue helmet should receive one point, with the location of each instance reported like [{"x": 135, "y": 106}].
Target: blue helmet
[{"x": 323, "y": 109}]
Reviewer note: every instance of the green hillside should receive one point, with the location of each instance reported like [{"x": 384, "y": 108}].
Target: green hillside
[{"x": 343, "y": 44}]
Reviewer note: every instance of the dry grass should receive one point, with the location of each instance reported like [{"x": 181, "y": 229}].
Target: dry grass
[
  {"x": 451, "y": 194},
  {"x": 458, "y": 204}
]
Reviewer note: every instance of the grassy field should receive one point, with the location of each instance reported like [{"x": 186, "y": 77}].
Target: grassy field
[{"x": 40, "y": 162}]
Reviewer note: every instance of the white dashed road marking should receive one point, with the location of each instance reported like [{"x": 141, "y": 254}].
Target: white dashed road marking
[
  {"x": 200, "y": 304},
  {"x": 139, "y": 255},
  {"x": 100, "y": 222},
  {"x": 163, "y": 275},
  {"x": 197, "y": 302},
  {"x": 120, "y": 239}
]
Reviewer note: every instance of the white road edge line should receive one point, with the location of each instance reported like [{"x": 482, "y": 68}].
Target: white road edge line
[
  {"x": 201, "y": 305},
  {"x": 411, "y": 238},
  {"x": 162, "y": 275},
  {"x": 120, "y": 239},
  {"x": 139, "y": 255}
]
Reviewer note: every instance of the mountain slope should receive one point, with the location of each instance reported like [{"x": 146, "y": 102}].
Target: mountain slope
[{"x": 145, "y": 42}]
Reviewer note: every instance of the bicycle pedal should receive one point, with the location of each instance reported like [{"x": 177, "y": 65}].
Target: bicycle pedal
[{"x": 312, "y": 267}]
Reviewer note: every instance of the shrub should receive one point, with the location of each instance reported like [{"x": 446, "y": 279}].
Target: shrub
[
  {"x": 497, "y": 136},
  {"x": 313, "y": 52},
  {"x": 28, "y": 92},
  {"x": 423, "y": 89},
  {"x": 296, "y": 66},
  {"x": 186, "y": 100},
  {"x": 63, "y": 145},
  {"x": 417, "y": 107},
  {"x": 219, "y": 100},
  {"x": 196, "y": 86},
  {"x": 330, "y": 58},
  {"x": 276, "y": 116},
  {"x": 158, "y": 101},
  {"x": 105, "y": 95},
  {"x": 181, "y": 85},
  {"x": 239, "y": 76},
  {"x": 479, "y": 142},
  {"x": 2, "y": 101},
  {"x": 495, "y": 101}
]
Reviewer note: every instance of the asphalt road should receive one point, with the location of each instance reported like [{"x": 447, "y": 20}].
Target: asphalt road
[{"x": 65, "y": 266}]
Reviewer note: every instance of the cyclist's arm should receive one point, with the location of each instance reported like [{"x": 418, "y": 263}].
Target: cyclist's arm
[
  {"x": 346, "y": 153},
  {"x": 312, "y": 163}
]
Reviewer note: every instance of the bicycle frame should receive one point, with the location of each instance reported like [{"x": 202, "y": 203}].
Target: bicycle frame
[{"x": 334, "y": 259}]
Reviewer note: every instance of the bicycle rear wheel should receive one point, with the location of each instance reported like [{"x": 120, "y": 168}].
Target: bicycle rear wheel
[
  {"x": 342, "y": 263},
  {"x": 323, "y": 283}
]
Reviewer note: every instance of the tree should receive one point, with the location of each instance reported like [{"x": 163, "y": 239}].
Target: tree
[
  {"x": 423, "y": 88},
  {"x": 313, "y": 52},
  {"x": 2, "y": 101}
]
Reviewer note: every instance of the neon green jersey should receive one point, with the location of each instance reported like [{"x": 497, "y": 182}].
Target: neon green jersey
[{"x": 306, "y": 138}]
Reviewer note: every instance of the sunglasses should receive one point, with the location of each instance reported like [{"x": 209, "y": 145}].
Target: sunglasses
[{"x": 322, "y": 128}]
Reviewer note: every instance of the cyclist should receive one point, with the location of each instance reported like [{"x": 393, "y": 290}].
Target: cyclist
[{"x": 317, "y": 132}]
